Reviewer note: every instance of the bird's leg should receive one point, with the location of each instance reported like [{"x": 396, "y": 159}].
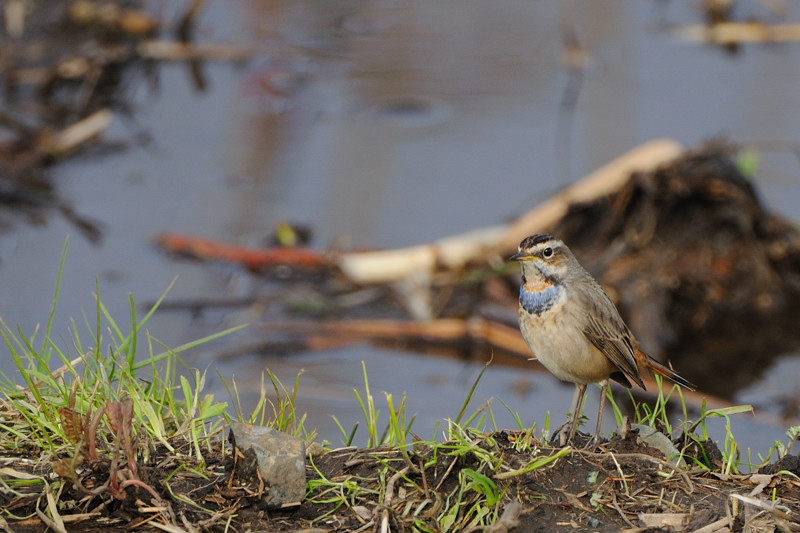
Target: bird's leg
[
  {"x": 603, "y": 394},
  {"x": 580, "y": 390}
]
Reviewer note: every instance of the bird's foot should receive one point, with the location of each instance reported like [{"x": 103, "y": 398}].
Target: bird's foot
[
  {"x": 595, "y": 442},
  {"x": 560, "y": 437}
]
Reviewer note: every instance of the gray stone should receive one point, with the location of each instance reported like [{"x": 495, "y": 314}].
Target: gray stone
[
  {"x": 281, "y": 461},
  {"x": 655, "y": 439}
]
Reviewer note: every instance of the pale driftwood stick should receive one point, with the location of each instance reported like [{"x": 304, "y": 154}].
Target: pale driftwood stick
[
  {"x": 175, "y": 51},
  {"x": 601, "y": 182},
  {"x": 82, "y": 131},
  {"x": 14, "y": 13},
  {"x": 55, "y": 374},
  {"x": 329, "y": 334},
  {"x": 444, "y": 330},
  {"x": 455, "y": 252},
  {"x": 727, "y": 33},
  {"x": 392, "y": 265}
]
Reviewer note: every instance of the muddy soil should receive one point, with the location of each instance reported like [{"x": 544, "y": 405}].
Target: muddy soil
[{"x": 621, "y": 484}]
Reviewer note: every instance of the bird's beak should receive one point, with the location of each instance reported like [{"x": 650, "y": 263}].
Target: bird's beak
[{"x": 516, "y": 257}]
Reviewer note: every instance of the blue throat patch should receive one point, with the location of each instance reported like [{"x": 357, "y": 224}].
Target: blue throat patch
[{"x": 539, "y": 302}]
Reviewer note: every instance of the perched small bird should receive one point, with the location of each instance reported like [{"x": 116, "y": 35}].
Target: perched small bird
[{"x": 573, "y": 327}]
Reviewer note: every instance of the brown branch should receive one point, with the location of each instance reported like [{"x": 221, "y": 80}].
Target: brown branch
[{"x": 253, "y": 258}]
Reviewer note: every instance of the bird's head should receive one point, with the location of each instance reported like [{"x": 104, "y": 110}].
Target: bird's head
[{"x": 543, "y": 257}]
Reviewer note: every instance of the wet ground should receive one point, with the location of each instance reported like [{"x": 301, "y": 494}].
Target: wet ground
[
  {"x": 386, "y": 125},
  {"x": 496, "y": 482}
]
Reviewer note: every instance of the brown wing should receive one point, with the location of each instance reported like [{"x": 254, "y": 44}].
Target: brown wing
[{"x": 609, "y": 334}]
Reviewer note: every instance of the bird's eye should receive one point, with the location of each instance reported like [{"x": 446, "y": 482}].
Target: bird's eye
[{"x": 548, "y": 252}]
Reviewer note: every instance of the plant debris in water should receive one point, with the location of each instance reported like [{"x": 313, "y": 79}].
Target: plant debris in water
[{"x": 67, "y": 68}]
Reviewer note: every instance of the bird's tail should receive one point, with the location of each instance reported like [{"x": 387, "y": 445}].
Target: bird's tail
[{"x": 665, "y": 371}]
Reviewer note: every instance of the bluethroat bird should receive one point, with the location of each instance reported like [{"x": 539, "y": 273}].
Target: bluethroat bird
[{"x": 573, "y": 328}]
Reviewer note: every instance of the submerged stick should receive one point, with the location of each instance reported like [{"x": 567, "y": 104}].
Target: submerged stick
[
  {"x": 445, "y": 330},
  {"x": 323, "y": 334},
  {"x": 254, "y": 258}
]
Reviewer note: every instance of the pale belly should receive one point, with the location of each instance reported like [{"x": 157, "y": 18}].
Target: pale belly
[{"x": 563, "y": 348}]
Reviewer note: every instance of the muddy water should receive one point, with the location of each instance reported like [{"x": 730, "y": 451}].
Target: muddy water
[{"x": 387, "y": 124}]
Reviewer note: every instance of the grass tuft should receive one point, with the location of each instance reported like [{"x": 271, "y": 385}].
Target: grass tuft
[{"x": 106, "y": 401}]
